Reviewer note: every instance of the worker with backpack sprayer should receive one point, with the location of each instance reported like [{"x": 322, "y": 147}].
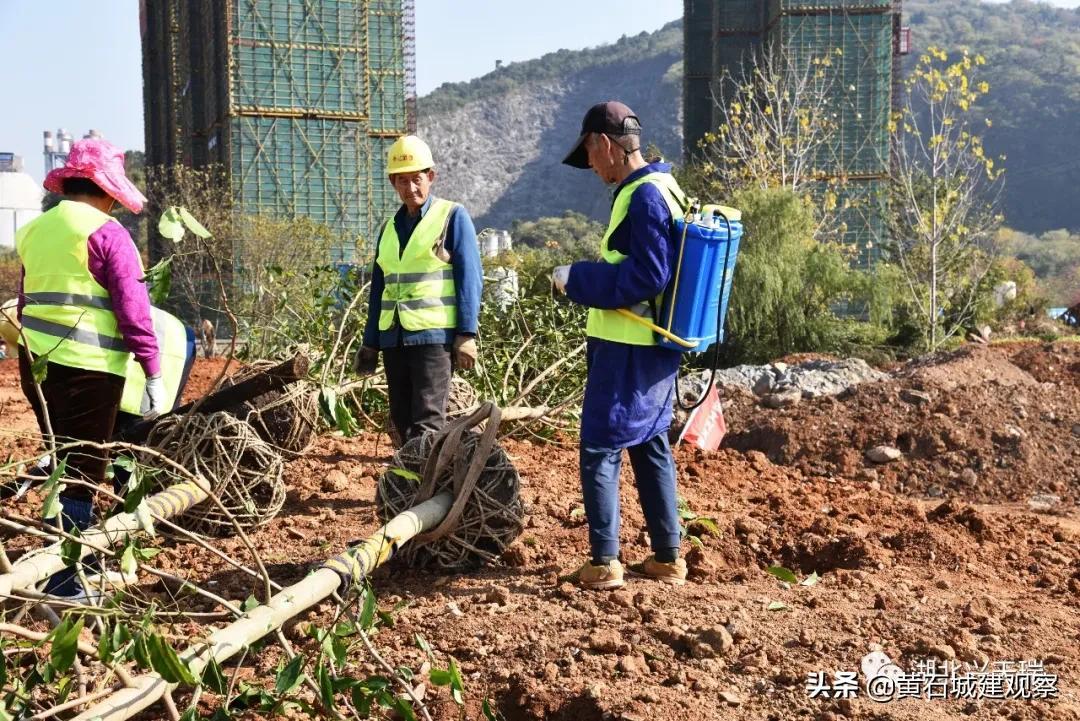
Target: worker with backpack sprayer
[{"x": 631, "y": 379}]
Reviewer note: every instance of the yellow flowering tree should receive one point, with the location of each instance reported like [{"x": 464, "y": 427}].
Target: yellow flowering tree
[
  {"x": 775, "y": 124},
  {"x": 944, "y": 193}
]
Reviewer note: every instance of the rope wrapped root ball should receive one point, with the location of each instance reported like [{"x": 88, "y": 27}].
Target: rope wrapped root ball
[
  {"x": 461, "y": 400},
  {"x": 244, "y": 471},
  {"x": 492, "y": 513},
  {"x": 287, "y": 419}
]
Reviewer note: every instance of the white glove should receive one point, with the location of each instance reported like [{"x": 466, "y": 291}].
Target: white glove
[
  {"x": 560, "y": 277},
  {"x": 155, "y": 389}
]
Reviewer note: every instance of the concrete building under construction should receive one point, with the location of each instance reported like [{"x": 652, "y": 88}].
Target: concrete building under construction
[
  {"x": 297, "y": 101},
  {"x": 866, "y": 39}
]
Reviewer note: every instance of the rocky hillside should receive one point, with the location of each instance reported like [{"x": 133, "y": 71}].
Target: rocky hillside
[{"x": 500, "y": 138}]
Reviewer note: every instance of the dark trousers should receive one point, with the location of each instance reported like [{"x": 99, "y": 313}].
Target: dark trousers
[
  {"x": 82, "y": 406},
  {"x": 418, "y": 381},
  {"x": 654, "y": 474}
]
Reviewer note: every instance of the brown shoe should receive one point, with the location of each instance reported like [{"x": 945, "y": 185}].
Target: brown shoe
[
  {"x": 673, "y": 573},
  {"x": 598, "y": 578}
]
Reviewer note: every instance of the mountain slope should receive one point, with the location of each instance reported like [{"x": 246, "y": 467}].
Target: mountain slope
[{"x": 499, "y": 139}]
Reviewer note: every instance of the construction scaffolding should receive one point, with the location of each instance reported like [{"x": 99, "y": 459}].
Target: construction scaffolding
[
  {"x": 297, "y": 102},
  {"x": 861, "y": 38}
]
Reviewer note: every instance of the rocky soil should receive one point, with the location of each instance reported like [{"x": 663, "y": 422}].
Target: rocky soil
[{"x": 937, "y": 554}]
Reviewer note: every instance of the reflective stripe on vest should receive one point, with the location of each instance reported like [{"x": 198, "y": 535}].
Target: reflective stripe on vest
[
  {"x": 419, "y": 291},
  {"x": 78, "y": 335},
  {"x": 171, "y": 334},
  {"x": 607, "y": 324},
  {"x": 68, "y": 314},
  {"x": 85, "y": 301}
]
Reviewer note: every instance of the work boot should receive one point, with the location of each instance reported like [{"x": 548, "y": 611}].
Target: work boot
[
  {"x": 598, "y": 578},
  {"x": 673, "y": 573}
]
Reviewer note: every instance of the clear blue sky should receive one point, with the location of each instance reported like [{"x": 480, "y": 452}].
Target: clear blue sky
[{"x": 76, "y": 63}]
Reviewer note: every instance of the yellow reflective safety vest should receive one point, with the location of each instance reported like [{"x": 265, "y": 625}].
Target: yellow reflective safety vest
[
  {"x": 68, "y": 315},
  {"x": 607, "y": 324},
  {"x": 172, "y": 340},
  {"x": 419, "y": 291}
]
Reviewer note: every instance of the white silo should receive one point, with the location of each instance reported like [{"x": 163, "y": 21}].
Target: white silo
[{"x": 20, "y": 198}]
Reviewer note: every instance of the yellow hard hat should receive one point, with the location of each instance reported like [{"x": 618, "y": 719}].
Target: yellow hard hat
[{"x": 408, "y": 154}]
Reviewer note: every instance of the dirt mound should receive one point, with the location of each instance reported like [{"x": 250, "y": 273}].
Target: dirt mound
[
  {"x": 974, "y": 424},
  {"x": 968, "y": 367},
  {"x": 915, "y": 577}
]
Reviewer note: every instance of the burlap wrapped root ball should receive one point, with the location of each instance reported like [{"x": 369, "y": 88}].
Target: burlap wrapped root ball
[
  {"x": 244, "y": 471},
  {"x": 493, "y": 516},
  {"x": 287, "y": 419},
  {"x": 462, "y": 399}
]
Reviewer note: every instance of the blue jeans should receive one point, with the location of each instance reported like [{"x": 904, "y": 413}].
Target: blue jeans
[
  {"x": 654, "y": 474},
  {"x": 77, "y": 513}
]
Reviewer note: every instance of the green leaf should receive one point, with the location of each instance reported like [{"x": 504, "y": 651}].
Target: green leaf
[
  {"x": 440, "y": 677},
  {"x": 65, "y": 639},
  {"x": 249, "y": 603},
  {"x": 778, "y": 606},
  {"x": 328, "y": 404},
  {"x": 71, "y": 550},
  {"x": 783, "y": 574},
  {"x": 214, "y": 678},
  {"x": 406, "y": 474},
  {"x": 404, "y": 708},
  {"x": 457, "y": 686},
  {"x": 166, "y": 663},
  {"x": 326, "y": 686},
  {"x": 128, "y": 564},
  {"x": 125, "y": 462},
  {"x": 192, "y": 714},
  {"x": 140, "y": 651},
  {"x": 489, "y": 713},
  {"x": 170, "y": 225},
  {"x": 289, "y": 677},
  {"x": 193, "y": 225},
  {"x": 343, "y": 418},
  {"x": 367, "y": 615},
  {"x": 39, "y": 368},
  {"x": 810, "y": 580},
  {"x": 52, "y": 507},
  {"x": 158, "y": 280},
  {"x": 423, "y": 645},
  {"x": 105, "y": 644}
]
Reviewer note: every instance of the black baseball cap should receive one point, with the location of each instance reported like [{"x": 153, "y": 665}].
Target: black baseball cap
[{"x": 610, "y": 118}]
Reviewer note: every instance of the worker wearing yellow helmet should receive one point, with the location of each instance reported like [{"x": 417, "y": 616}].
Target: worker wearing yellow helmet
[{"x": 425, "y": 294}]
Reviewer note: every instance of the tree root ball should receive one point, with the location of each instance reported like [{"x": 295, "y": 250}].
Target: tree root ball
[
  {"x": 493, "y": 516},
  {"x": 287, "y": 419},
  {"x": 244, "y": 471}
]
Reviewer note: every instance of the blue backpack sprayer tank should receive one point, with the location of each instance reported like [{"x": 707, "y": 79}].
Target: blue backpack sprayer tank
[{"x": 691, "y": 316}]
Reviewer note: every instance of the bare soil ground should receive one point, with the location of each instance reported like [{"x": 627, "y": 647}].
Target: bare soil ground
[{"x": 917, "y": 556}]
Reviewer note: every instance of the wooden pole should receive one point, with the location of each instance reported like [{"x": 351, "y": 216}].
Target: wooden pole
[
  {"x": 272, "y": 379},
  {"x": 358, "y": 561}
]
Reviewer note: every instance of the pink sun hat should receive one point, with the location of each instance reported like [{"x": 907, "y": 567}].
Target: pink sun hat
[{"x": 102, "y": 162}]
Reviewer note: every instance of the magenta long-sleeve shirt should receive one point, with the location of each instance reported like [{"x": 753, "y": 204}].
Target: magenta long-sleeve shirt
[{"x": 114, "y": 263}]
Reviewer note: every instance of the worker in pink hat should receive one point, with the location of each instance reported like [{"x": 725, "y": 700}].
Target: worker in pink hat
[{"x": 84, "y": 307}]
